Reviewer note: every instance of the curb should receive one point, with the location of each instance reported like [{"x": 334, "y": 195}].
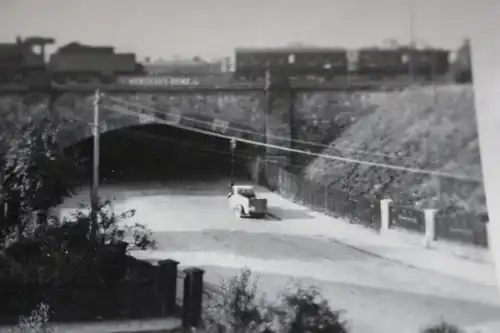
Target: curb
[{"x": 357, "y": 227}]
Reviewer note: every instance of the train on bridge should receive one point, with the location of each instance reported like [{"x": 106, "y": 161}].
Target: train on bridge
[
  {"x": 23, "y": 62},
  {"x": 328, "y": 64}
]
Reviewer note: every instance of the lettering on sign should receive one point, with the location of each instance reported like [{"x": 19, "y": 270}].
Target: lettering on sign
[
  {"x": 461, "y": 231},
  {"x": 220, "y": 125},
  {"x": 160, "y": 81},
  {"x": 400, "y": 215},
  {"x": 407, "y": 218},
  {"x": 146, "y": 119}
]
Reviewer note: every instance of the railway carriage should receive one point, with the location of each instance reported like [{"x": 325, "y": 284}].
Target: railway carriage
[
  {"x": 331, "y": 63},
  {"x": 251, "y": 64}
]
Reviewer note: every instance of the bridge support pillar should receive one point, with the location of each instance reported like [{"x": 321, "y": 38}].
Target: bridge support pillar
[{"x": 279, "y": 114}]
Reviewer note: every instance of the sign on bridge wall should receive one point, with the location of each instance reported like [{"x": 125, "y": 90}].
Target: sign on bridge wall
[
  {"x": 146, "y": 119},
  {"x": 220, "y": 126},
  {"x": 159, "y": 81}
]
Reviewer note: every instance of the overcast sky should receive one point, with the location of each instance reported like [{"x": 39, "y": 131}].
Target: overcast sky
[{"x": 212, "y": 28}]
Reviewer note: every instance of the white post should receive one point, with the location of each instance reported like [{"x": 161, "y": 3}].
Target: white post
[
  {"x": 485, "y": 45},
  {"x": 430, "y": 226},
  {"x": 385, "y": 205}
]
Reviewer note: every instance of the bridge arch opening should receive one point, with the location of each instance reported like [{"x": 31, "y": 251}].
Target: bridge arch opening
[{"x": 157, "y": 152}]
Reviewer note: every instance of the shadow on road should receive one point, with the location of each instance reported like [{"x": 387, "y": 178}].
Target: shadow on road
[
  {"x": 279, "y": 214},
  {"x": 262, "y": 245}
]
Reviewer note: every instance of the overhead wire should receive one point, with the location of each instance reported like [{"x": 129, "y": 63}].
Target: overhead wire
[
  {"x": 299, "y": 151},
  {"x": 162, "y": 138},
  {"x": 304, "y": 142},
  {"x": 196, "y": 147},
  {"x": 395, "y": 156}
]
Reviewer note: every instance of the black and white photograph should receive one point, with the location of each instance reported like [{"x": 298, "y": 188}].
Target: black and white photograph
[{"x": 229, "y": 166}]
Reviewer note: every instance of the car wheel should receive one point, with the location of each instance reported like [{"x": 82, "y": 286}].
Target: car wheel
[{"x": 238, "y": 211}]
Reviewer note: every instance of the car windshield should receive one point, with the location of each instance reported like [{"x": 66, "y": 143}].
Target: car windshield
[{"x": 246, "y": 192}]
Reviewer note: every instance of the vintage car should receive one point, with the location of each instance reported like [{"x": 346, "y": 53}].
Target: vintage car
[{"x": 244, "y": 202}]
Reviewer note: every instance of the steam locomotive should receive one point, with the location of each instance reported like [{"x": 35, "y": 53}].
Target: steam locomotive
[
  {"x": 23, "y": 62},
  {"x": 331, "y": 63}
]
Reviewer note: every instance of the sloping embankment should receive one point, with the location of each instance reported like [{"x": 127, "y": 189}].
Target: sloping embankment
[{"x": 427, "y": 128}]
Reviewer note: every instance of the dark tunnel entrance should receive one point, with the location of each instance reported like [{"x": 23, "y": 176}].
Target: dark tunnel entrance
[{"x": 160, "y": 152}]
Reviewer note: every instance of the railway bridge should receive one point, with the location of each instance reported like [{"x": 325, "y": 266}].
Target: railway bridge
[{"x": 275, "y": 112}]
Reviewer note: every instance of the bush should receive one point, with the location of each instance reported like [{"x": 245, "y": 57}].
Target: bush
[
  {"x": 111, "y": 226},
  {"x": 36, "y": 176},
  {"x": 305, "y": 310},
  {"x": 443, "y": 327},
  {"x": 236, "y": 307},
  {"x": 59, "y": 261},
  {"x": 37, "y": 321}
]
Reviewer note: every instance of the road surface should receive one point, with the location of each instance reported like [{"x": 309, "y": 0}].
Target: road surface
[{"x": 193, "y": 224}]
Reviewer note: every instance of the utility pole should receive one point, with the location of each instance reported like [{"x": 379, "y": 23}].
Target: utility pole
[
  {"x": 94, "y": 194},
  {"x": 268, "y": 107},
  {"x": 436, "y": 109},
  {"x": 267, "y": 88},
  {"x": 233, "y": 147}
]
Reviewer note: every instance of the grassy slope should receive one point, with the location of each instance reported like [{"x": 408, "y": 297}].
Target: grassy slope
[
  {"x": 321, "y": 117},
  {"x": 415, "y": 129}
]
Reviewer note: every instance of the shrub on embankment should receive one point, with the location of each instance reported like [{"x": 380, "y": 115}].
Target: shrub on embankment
[
  {"x": 321, "y": 117},
  {"x": 426, "y": 128}
]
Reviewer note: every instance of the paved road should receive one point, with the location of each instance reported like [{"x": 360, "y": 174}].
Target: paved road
[{"x": 193, "y": 224}]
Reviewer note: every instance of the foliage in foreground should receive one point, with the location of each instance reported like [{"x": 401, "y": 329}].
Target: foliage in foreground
[
  {"x": 299, "y": 313},
  {"x": 60, "y": 262},
  {"x": 36, "y": 176},
  {"x": 443, "y": 327},
  {"x": 61, "y": 244},
  {"x": 37, "y": 321},
  {"x": 236, "y": 307}
]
